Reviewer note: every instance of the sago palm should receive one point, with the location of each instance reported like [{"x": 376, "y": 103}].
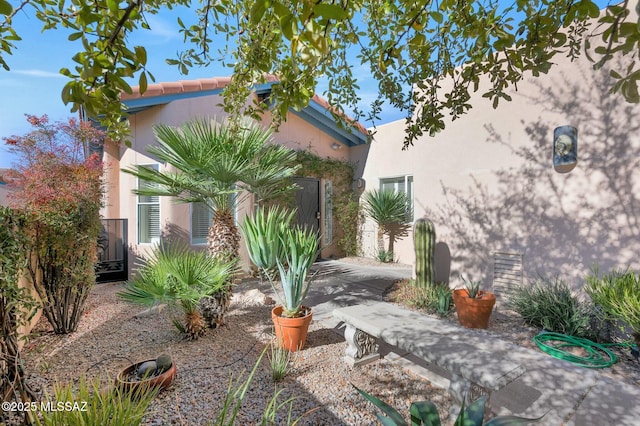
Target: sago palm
[
  {"x": 179, "y": 277},
  {"x": 389, "y": 209},
  {"x": 218, "y": 164}
]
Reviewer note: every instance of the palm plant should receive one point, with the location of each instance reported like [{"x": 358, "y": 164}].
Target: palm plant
[
  {"x": 179, "y": 277},
  {"x": 219, "y": 165},
  {"x": 392, "y": 213}
]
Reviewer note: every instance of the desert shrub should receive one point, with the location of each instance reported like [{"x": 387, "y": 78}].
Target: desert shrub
[
  {"x": 59, "y": 190},
  {"x": 16, "y": 307},
  {"x": 617, "y": 294},
  {"x": 551, "y": 305},
  {"x": 436, "y": 299}
]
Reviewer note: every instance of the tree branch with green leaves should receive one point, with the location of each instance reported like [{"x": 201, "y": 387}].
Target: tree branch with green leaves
[{"x": 410, "y": 49}]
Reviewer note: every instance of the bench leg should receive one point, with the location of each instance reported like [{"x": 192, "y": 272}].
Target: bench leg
[
  {"x": 464, "y": 389},
  {"x": 362, "y": 348}
]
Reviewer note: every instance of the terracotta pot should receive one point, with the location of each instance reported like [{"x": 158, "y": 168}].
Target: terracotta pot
[
  {"x": 162, "y": 381},
  {"x": 291, "y": 333},
  {"x": 474, "y": 313}
]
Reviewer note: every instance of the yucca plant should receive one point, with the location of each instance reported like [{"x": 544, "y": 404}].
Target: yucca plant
[
  {"x": 391, "y": 211},
  {"x": 426, "y": 413},
  {"x": 300, "y": 248},
  {"x": 179, "y": 277},
  {"x": 262, "y": 233},
  {"x": 618, "y": 293},
  {"x": 272, "y": 241}
]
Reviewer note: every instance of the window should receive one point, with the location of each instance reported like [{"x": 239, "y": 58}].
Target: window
[
  {"x": 148, "y": 213},
  {"x": 400, "y": 184},
  {"x": 201, "y": 217}
]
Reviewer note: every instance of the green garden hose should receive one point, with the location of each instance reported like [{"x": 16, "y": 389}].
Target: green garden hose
[{"x": 597, "y": 355}]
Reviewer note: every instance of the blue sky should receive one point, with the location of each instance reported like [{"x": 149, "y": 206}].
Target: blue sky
[{"x": 33, "y": 85}]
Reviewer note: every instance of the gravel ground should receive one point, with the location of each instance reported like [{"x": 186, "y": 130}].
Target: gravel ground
[{"x": 110, "y": 337}]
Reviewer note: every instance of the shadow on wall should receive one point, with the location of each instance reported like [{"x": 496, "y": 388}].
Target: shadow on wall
[
  {"x": 563, "y": 223},
  {"x": 171, "y": 234}
]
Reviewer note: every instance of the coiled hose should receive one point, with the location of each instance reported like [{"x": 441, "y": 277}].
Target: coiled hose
[{"x": 597, "y": 355}]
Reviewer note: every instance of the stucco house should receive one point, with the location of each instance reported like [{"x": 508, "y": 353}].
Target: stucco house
[
  {"x": 152, "y": 218},
  {"x": 502, "y": 213}
]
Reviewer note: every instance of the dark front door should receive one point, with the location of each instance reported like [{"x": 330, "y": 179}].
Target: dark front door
[
  {"x": 308, "y": 202},
  {"x": 112, "y": 251}
]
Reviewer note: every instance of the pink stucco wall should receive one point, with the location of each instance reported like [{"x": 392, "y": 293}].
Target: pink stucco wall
[
  {"x": 488, "y": 183},
  {"x": 295, "y": 133}
]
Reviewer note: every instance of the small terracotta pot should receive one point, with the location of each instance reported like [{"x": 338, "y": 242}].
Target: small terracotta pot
[
  {"x": 162, "y": 381},
  {"x": 291, "y": 333},
  {"x": 474, "y": 313}
]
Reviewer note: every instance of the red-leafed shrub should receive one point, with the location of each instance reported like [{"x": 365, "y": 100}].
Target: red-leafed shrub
[{"x": 58, "y": 187}]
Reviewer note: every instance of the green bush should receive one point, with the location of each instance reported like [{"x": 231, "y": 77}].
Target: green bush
[
  {"x": 618, "y": 294},
  {"x": 436, "y": 299},
  {"x": 550, "y": 304},
  {"x": 90, "y": 404}
]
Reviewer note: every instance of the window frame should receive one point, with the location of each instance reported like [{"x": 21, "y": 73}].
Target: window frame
[
  {"x": 210, "y": 217},
  {"x": 152, "y": 240},
  {"x": 408, "y": 187}
]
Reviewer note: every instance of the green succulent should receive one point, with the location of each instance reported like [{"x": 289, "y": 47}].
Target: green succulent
[{"x": 426, "y": 413}]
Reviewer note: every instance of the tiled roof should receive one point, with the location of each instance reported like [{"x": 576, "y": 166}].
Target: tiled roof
[{"x": 211, "y": 84}]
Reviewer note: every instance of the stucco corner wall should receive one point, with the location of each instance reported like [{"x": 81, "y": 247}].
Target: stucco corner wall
[{"x": 488, "y": 183}]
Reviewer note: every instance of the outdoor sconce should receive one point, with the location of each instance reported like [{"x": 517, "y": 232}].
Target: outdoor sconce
[
  {"x": 565, "y": 148},
  {"x": 335, "y": 146}
]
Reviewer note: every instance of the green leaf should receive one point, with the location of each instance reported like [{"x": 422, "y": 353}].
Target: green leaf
[
  {"x": 330, "y": 11},
  {"x": 386, "y": 408},
  {"x": 73, "y": 36},
  {"x": 141, "y": 54},
  {"x": 5, "y": 7},
  {"x": 113, "y": 5},
  {"x": 257, "y": 11},
  {"x": 143, "y": 82},
  {"x": 424, "y": 412},
  {"x": 288, "y": 26},
  {"x": 437, "y": 16}
]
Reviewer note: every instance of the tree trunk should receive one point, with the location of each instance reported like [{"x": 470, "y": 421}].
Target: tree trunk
[{"x": 223, "y": 244}]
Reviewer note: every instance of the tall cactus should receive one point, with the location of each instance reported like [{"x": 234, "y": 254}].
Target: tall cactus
[{"x": 424, "y": 241}]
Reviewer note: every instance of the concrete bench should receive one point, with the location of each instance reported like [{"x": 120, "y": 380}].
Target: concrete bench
[{"x": 476, "y": 365}]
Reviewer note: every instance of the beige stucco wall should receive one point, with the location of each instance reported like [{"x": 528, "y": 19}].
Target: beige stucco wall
[
  {"x": 488, "y": 183},
  {"x": 295, "y": 133}
]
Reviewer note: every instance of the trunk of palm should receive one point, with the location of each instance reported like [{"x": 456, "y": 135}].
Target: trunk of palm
[
  {"x": 224, "y": 244},
  {"x": 380, "y": 238},
  {"x": 195, "y": 326},
  {"x": 224, "y": 237}
]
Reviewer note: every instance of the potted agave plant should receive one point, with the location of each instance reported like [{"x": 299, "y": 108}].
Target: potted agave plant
[
  {"x": 473, "y": 305},
  {"x": 284, "y": 253}
]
